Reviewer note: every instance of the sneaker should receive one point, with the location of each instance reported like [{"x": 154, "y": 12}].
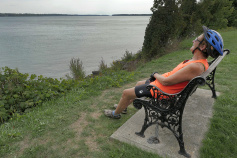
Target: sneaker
[
  {"x": 109, "y": 113},
  {"x": 123, "y": 112}
]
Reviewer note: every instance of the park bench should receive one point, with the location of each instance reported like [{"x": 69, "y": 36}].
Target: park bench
[{"x": 166, "y": 110}]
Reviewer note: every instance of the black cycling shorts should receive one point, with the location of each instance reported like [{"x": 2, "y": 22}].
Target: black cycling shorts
[{"x": 141, "y": 90}]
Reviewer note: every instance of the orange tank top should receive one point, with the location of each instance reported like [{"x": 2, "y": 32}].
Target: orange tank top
[{"x": 176, "y": 88}]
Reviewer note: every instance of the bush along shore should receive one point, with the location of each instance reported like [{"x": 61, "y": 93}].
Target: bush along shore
[{"x": 19, "y": 92}]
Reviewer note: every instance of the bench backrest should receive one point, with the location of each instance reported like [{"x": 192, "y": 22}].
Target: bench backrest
[
  {"x": 195, "y": 82},
  {"x": 207, "y": 76}
]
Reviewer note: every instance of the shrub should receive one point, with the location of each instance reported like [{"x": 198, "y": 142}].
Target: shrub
[
  {"x": 77, "y": 69},
  {"x": 127, "y": 56},
  {"x": 102, "y": 66},
  {"x": 117, "y": 65},
  {"x": 19, "y": 92}
]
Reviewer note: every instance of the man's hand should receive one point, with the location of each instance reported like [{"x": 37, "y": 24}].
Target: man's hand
[{"x": 152, "y": 78}]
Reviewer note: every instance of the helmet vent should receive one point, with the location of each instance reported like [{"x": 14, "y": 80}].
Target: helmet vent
[
  {"x": 217, "y": 39},
  {"x": 208, "y": 35},
  {"x": 213, "y": 42}
]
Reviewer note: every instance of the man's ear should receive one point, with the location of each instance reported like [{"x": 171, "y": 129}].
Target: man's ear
[{"x": 203, "y": 47}]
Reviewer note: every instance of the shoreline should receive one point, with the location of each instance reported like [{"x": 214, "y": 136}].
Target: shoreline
[{"x": 35, "y": 15}]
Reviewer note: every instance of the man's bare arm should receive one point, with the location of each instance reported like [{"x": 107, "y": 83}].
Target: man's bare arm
[{"x": 185, "y": 74}]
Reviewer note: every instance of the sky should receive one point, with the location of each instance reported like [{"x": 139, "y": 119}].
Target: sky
[{"x": 76, "y": 6}]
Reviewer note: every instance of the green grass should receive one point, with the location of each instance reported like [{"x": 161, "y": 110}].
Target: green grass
[{"x": 74, "y": 125}]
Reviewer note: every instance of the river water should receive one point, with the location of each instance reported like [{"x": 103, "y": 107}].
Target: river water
[{"x": 45, "y": 45}]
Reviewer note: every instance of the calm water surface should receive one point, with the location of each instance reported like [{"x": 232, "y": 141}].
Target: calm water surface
[{"x": 45, "y": 45}]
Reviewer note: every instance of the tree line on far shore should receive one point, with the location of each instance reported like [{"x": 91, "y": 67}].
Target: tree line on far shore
[{"x": 30, "y": 14}]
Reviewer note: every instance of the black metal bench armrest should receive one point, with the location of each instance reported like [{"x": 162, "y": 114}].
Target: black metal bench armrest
[
  {"x": 164, "y": 101},
  {"x": 199, "y": 80}
]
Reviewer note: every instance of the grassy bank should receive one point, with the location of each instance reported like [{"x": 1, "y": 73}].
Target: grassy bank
[{"x": 74, "y": 125}]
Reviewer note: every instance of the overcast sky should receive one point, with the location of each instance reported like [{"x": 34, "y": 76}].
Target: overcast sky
[{"x": 77, "y": 6}]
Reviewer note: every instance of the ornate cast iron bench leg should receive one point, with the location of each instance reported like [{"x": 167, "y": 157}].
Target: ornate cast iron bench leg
[
  {"x": 182, "y": 150},
  {"x": 154, "y": 139},
  {"x": 145, "y": 125},
  {"x": 211, "y": 84},
  {"x": 179, "y": 136},
  {"x": 177, "y": 131}
]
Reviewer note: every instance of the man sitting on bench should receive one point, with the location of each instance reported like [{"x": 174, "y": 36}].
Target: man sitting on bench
[{"x": 208, "y": 43}]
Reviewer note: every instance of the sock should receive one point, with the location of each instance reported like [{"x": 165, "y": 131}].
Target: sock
[{"x": 113, "y": 113}]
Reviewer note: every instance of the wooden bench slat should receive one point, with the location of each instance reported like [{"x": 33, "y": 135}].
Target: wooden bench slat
[{"x": 214, "y": 64}]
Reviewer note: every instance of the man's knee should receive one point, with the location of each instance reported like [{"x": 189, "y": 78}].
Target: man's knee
[
  {"x": 128, "y": 94},
  {"x": 125, "y": 93},
  {"x": 140, "y": 83}
]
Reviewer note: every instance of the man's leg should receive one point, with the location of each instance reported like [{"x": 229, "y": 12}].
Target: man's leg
[
  {"x": 127, "y": 97},
  {"x": 137, "y": 84}
]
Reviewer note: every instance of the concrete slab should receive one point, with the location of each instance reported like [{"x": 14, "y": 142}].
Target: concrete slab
[{"x": 196, "y": 117}]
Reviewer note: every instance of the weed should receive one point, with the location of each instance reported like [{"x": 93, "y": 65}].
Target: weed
[
  {"x": 102, "y": 66},
  {"x": 76, "y": 68}
]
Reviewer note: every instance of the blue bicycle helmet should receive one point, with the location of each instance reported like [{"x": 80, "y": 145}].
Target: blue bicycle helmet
[{"x": 215, "y": 41}]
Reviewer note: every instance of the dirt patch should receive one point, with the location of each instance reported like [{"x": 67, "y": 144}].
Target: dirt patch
[
  {"x": 80, "y": 124},
  {"x": 24, "y": 145},
  {"x": 91, "y": 143},
  {"x": 96, "y": 115}
]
